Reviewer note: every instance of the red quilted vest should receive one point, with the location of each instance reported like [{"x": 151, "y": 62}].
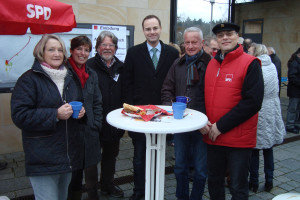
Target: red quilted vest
[{"x": 223, "y": 86}]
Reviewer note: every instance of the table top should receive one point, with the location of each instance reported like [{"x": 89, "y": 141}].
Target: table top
[{"x": 163, "y": 124}]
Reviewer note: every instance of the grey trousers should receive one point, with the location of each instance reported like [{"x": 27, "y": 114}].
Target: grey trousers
[{"x": 292, "y": 112}]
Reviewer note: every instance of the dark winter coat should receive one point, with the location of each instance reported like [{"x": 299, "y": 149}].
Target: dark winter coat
[
  {"x": 175, "y": 83},
  {"x": 92, "y": 102},
  {"x": 111, "y": 93},
  {"x": 293, "y": 89},
  {"x": 142, "y": 82},
  {"x": 276, "y": 61},
  {"x": 51, "y": 146}
]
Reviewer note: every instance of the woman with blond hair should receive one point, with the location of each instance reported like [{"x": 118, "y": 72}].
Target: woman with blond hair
[
  {"x": 270, "y": 126},
  {"x": 40, "y": 108}
]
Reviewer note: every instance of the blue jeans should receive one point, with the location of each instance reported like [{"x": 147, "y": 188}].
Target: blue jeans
[
  {"x": 54, "y": 187},
  {"x": 139, "y": 159},
  {"x": 292, "y": 112},
  {"x": 237, "y": 160},
  {"x": 183, "y": 142},
  {"x": 268, "y": 165}
]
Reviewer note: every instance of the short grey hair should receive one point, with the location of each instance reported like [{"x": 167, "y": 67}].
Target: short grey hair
[
  {"x": 194, "y": 29},
  {"x": 271, "y": 49},
  {"x": 39, "y": 48},
  {"x": 102, "y": 36},
  {"x": 259, "y": 49},
  {"x": 208, "y": 40}
]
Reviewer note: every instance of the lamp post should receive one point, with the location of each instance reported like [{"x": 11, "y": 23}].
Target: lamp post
[{"x": 211, "y": 15}]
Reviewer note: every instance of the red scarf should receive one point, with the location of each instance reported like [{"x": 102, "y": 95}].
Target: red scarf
[{"x": 82, "y": 75}]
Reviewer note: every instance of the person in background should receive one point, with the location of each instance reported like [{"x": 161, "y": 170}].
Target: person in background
[
  {"x": 146, "y": 66},
  {"x": 276, "y": 61},
  {"x": 182, "y": 49},
  {"x": 247, "y": 42},
  {"x": 270, "y": 127},
  {"x": 40, "y": 108},
  {"x": 241, "y": 41},
  {"x": 109, "y": 71},
  {"x": 293, "y": 92},
  {"x": 87, "y": 79},
  {"x": 185, "y": 75},
  {"x": 211, "y": 46},
  {"x": 234, "y": 90}
]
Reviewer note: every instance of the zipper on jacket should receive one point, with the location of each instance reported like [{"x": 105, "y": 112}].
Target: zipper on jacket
[
  {"x": 67, "y": 135},
  {"x": 218, "y": 71}
]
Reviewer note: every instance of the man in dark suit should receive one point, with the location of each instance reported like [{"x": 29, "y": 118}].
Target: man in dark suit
[{"x": 145, "y": 68}]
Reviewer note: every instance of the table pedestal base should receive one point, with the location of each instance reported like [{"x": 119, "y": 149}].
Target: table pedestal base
[{"x": 155, "y": 166}]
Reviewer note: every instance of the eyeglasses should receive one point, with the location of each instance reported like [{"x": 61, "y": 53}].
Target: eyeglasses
[{"x": 107, "y": 45}]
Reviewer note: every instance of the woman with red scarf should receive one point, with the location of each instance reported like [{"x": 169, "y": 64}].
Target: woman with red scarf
[{"x": 81, "y": 47}]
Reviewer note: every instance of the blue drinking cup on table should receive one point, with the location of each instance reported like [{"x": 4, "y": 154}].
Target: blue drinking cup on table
[
  {"x": 76, "y": 106},
  {"x": 178, "y": 109},
  {"x": 183, "y": 99}
]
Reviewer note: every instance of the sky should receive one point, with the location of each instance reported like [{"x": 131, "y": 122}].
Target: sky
[{"x": 201, "y": 9}]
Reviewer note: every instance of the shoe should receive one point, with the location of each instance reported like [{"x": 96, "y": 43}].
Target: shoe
[
  {"x": 3, "y": 165},
  {"x": 113, "y": 191},
  {"x": 268, "y": 186},
  {"x": 253, "y": 187},
  {"x": 136, "y": 196},
  {"x": 293, "y": 130}
]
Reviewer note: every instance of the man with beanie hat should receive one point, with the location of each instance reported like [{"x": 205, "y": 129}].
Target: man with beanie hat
[{"x": 234, "y": 90}]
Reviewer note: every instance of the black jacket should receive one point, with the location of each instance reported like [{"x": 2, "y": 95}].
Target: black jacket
[
  {"x": 111, "y": 93},
  {"x": 50, "y": 146},
  {"x": 276, "y": 61},
  {"x": 92, "y": 102},
  {"x": 293, "y": 89},
  {"x": 141, "y": 82},
  {"x": 176, "y": 79}
]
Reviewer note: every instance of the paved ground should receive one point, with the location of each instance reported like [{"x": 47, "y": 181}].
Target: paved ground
[{"x": 14, "y": 183}]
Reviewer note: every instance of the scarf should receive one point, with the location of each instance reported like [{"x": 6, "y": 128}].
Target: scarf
[
  {"x": 81, "y": 74},
  {"x": 57, "y": 76},
  {"x": 192, "y": 69}
]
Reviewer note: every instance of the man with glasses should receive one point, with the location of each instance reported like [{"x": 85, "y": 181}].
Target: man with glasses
[
  {"x": 234, "y": 90},
  {"x": 186, "y": 74},
  {"x": 145, "y": 68},
  {"x": 109, "y": 70},
  {"x": 211, "y": 46}
]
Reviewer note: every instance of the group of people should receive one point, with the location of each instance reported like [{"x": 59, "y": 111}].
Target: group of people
[{"x": 234, "y": 89}]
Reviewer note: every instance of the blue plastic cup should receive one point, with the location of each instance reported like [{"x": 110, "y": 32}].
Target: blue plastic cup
[
  {"x": 183, "y": 99},
  {"x": 76, "y": 106},
  {"x": 178, "y": 109}
]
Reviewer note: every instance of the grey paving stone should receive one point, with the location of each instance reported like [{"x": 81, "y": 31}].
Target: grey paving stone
[
  {"x": 124, "y": 154},
  {"x": 290, "y": 164},
  {"x": 123, "y": 173},
  {"x": 170, "y": 190},
  {"x": 6, "y": 176},
  {"x": 24, "y": 192},
  {"x": 123, "y": 165},
  {"x": 276, "y": 191},
  {"x": 19, "y": 171},
  {"x": 265, "y": 195}
]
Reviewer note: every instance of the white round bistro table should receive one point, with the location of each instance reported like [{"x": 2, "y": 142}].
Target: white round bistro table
[{"x": 156, "y": 132}]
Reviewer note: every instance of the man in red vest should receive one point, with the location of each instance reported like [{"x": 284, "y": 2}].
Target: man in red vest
[{"x": 234, "y": 91}]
